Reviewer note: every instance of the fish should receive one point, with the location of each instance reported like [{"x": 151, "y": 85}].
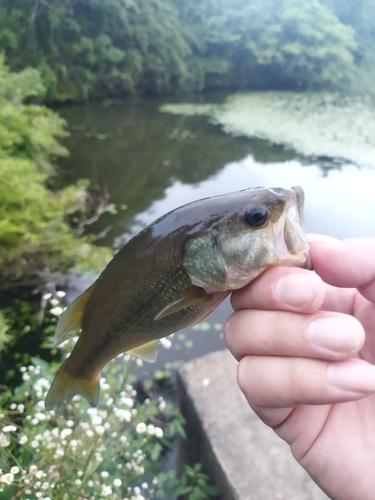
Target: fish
[{"x": 171, "y": 275}]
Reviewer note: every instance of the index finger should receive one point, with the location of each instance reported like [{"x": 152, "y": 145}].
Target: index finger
[
  {"x": 348, "y": 263},
  {"x": 282, "y": 288}
]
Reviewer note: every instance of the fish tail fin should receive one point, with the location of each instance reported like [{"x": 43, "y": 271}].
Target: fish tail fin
[{"x": 65, "y": 386}]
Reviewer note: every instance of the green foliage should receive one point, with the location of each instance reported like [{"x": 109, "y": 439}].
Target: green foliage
[
  {"x": 192, "y": 484},
  {"x": 4, "y": 337},
  {"x": 90, "y": 48},
  {"x": 35, "y": 237},
  {"x": 269, "y": 43},
  {"x": 94, "y": 48},
  {"x": 302, "y": 43},
  {"x": 360, "y": 15}
]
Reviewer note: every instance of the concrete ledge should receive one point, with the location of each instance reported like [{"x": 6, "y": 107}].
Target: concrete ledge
[{"x": 244, "y": 457}]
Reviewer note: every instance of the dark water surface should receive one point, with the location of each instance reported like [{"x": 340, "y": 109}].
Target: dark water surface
[{"x": 153, "y": 162}]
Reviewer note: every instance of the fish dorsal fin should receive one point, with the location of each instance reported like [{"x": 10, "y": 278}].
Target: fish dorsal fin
[
  {"x": 189, "y": 298},
  {"x": 147, "y": 352},
  {"x": 71, "y": 319}
]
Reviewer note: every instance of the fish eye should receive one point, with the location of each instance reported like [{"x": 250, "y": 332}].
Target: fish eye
[{"x": 256, "y": 216}]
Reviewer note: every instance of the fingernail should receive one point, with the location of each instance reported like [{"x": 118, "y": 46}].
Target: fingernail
[
  {"x": 354, "y": 375},
  {"x": 336, "y": 333},
  {"x": 297, "y": 289}
]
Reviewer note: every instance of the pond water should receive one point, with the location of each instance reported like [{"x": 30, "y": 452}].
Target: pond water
[{"x": 153, "y": 156}]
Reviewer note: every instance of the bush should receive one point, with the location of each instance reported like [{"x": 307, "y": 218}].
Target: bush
[{"x": 35, "y": 236}]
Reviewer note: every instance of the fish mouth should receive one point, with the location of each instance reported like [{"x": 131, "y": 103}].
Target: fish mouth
[{"x": 290, "y": 233}]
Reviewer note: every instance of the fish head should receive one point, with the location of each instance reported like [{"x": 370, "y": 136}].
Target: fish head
[{"x": 256, "y": 228}]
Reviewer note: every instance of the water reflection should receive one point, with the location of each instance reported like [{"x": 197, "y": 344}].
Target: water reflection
[
  {"x": 340, "y": 203},
  {"x": 137, "y": 153}
]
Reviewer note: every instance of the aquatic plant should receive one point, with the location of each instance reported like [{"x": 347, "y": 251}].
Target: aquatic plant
[{"x": 320, "y": 124}]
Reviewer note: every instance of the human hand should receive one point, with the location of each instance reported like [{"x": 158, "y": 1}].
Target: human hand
[{"x": 305, "y": 343}]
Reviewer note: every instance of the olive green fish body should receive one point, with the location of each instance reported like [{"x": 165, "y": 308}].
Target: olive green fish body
[{"x": 172, "y": 274}]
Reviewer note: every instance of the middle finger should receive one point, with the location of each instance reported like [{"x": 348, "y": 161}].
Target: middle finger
[{"x": 324, "y": 335}]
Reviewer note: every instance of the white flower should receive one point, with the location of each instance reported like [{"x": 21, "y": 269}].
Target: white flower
[
  {"x": 54, "y": 302},
  {"x": 79, "y": 473},
  {"x": 123, "y": 414},
  {"x": 90, "y": 483},
  {"x": 65, "y": 433},
  {"x": 4, "y": 441},
  {"x": 40, "y": 416},
  {"x": 117, "y": 482},
  {"x": 45, "y": 485},
  {"x": 57, "y": 311},
  {"x": 97, "y": 420},
  {"x": 23, "y": 439},
  {"x": 9, "y": 428},
  {"x": 104, "y": 474},
  {"x": 34, "y": 444},
  {"x": 151, "y": 430},
  {"x": 33, "y": 469},
  {"x": 13, "y": 406},
  {"x": 141, "y": 428},
  {"x": 127, "y": 402},
  {"x": 159, "y": 432},
  {"x": 89, "y": 433},
  {"x": 206, "y": 382},
  {"x": 77, "y": 482},
  {"x": 99, "y": 429},
  {"x": 7, "y": 478},
  {"x": 144, "y": 486},
  {"x": 60, "y": 294},
  {"x": 21, "y": 408},
  {"x": 47, "y": 296},
  {"x": 166, "y": 343},
  {"x": 70, "y": 423},
  {"x": 14, "y": 470},
  {"x": 106, "y": 490}
]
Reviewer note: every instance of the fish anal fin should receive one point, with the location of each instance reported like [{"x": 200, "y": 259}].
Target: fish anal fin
[
  {"x": 147, "y": 352},
  {"x": 71, "y": 319},
  {"x": 65, "y": 386},
  {"x": 186, "y": 300}
]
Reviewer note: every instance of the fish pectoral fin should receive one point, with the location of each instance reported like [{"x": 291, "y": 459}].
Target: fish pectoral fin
[
  {"x": 147, "y": 352},
  {"x": 71, "y": 319},
  {"x": 189, "y": 298}
]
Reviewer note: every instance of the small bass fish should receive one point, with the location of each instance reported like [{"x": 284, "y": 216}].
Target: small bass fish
[{"x": 172, "y": 275}]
